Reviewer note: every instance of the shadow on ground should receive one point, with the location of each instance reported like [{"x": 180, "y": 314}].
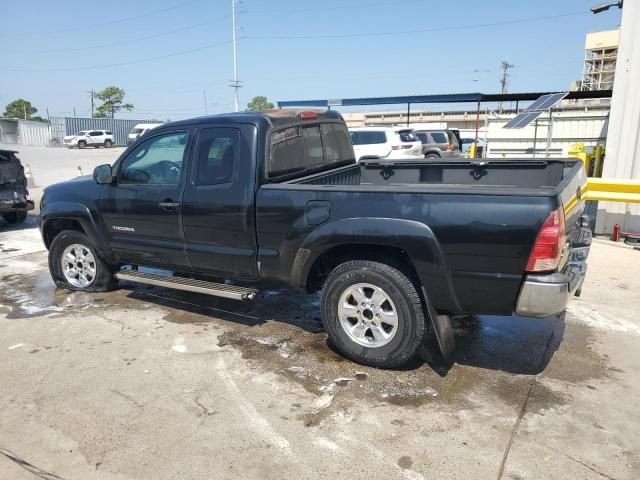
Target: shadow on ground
[{"x": 511, "y": 344}]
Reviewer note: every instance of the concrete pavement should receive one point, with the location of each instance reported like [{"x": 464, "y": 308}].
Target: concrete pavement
[{"x": 145, "y": 383}]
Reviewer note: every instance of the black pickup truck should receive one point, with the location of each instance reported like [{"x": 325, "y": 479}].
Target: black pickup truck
[{"x": 397, "y": 248}]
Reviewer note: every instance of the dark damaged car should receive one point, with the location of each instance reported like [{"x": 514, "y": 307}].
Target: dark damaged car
[{"x": 14, "y": 202}]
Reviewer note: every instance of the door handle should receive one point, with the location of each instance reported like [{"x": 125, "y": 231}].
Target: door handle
[{"x": 168, "y": 205}]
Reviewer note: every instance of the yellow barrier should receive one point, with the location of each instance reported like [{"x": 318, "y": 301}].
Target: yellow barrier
[{"x": 613, "y": 189}]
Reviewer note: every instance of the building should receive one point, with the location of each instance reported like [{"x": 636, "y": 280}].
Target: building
[
  {"x": 15, "y": 131},
  {"x": 623, "y": 137},
  {"x": 600, "y": 58}
]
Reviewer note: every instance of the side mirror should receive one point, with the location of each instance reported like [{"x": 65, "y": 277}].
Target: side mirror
[{"x": 102, "y": 174}]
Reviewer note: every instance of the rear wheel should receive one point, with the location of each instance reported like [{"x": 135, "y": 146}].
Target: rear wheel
[
  {"x": 75, "y": 265},
  {"x": 373, "y": 314},
  {"x": 15, "y": 217},
  {"x": 82, "y": 144},
  {"x": 432, "y": 156},
  {"x": 108, "y": 144}
]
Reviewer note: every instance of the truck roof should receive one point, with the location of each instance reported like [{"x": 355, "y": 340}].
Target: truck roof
[{"x": 271, "y": 118}]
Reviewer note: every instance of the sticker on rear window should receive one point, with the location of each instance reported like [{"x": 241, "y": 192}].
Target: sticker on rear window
[{"x": 283, "y": 135}]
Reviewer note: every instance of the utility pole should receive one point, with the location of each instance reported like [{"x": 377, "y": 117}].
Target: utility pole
[
  {"x": 92, "y": 93},
  {"x": 74, "y": 112},
  {"x": 48, "y": 117},
  {"x": 235, "y": 83},
  {"x": 204, "y": 94},
  {"x": 24, "y": 109},
  {"x": 503, "y": 81}
]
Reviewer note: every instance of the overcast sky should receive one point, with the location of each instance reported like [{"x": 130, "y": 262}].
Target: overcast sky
[{"x": 164, "y": 53}]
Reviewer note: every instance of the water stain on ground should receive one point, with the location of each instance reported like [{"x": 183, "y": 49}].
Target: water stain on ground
[{"x": 281, "y": 332}]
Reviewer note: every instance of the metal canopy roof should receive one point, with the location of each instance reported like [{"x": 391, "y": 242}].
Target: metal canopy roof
[{"x": 445, "y": 98}]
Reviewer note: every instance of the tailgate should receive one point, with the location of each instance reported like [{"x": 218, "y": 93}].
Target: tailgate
[{"x": 573, "y": 188}]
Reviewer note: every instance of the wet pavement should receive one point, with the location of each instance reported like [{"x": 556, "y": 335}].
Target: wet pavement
[{"x": 151, "y": 383}]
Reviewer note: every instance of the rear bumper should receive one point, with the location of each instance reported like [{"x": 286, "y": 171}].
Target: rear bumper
[{"x": 548, "y": 294}]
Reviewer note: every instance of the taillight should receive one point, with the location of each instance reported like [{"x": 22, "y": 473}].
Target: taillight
[
  {"x": 307, "y": 115},
  {"x": 448, "y": 147},
  {"x": 547, "y": 250}
]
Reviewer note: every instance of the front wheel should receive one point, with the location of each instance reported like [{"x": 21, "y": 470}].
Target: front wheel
[
  {"x": 82, "y": 144},
  {"x": 373, "y": 314},
  {"x": 75, "y": 265}
]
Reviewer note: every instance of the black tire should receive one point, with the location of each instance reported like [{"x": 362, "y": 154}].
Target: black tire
[
  {"x": 432, "y": 156},
  {"x": 82, "y": 144},
  {"x": 15, "y": 217},
  {"x": 412, "y": 326},
  {"x": 108, "y": 144},
  {"x": 104, "y": 279}
]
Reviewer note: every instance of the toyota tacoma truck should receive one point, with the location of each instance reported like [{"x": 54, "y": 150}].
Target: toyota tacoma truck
[{"x": 227, "y": 203}]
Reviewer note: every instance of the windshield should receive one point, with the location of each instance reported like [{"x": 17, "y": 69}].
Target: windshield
[
  {"x": 80, "y": 133},
  {"x": 136, "y": 131}
]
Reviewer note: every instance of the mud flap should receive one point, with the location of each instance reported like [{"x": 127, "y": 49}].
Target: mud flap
[{"x": 442, "y": 326}]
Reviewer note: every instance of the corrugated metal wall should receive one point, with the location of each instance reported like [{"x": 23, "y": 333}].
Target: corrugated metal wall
[
  {"x": 33, "y": 133},
  {"x": 623, "y": 141},
  {"x": 61, "y": 126}
]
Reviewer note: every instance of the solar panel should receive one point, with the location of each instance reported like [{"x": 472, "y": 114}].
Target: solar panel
[
  {"x": 545, "y": 102},
  {"x": 523, "y": 119}
]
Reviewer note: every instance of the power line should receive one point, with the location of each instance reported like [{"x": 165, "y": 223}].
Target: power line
[
  {"x": 109, "y": 65},
  {"x": 125, "y": 42},
  {"x": 409, "y": 32},
  {"x": 128, "y": 18},
  {"x": 342, "y": 7}
]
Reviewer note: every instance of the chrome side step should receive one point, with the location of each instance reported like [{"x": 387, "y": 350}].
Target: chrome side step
[{"x": 188, "y": 284}]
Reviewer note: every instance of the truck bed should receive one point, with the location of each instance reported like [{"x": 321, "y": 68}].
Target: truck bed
[{"x": 506, "y": 177}]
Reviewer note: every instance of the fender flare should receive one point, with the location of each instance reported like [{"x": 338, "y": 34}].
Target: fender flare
[
  {"x": 415, "y": 238},
  {"x": 78, "y": 212}
]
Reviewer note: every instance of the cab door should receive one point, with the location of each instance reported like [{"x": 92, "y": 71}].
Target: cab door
[
  {"x": 218, "y": 203},
  {"x": 142, "y": 208}
]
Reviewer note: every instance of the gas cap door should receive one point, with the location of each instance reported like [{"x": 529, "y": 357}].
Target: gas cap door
[{"x": 317, "y": 212}]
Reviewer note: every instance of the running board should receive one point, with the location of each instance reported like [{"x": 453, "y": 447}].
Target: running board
[{"x": 188, "y": 284}]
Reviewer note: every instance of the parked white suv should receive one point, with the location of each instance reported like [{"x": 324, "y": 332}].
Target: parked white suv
[
  {"x": 139, "y": 130},
  {"x": 90, "y": 138},
  {"x": 393, "y": 143}
]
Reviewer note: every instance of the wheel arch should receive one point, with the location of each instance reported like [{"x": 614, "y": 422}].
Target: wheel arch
[
  {"x": 60, "y": 216},
  {"x": 406, "y": 243}
]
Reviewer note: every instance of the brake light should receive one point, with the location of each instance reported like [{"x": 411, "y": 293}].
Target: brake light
[
  {"x": 307, "y": 115},
  {"x": 400, "y": 147},
  {"x": 448, "y": 147},
  {"x": 547, "y": 250}
]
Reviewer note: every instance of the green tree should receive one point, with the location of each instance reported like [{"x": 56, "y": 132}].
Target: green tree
[
  {"x": 259, "y": 103},
  {"x": 20, "y": 108},
  {"x": 112, "y": 99}
]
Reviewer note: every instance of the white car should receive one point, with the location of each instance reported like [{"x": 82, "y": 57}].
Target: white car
[
  {"x": 90, "y": 138},
  {"x": 392, "y": 143},
  {"x": 139, "y": 130}
]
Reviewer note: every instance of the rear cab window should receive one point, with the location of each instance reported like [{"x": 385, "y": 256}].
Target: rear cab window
[{"x": 300, "y": 149}]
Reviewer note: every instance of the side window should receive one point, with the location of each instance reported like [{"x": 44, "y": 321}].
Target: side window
[
  {"x": 158, "y": 161},
  {"x": 337, "y": 143},
  {"x": 108, "y": 132},
  {"x": 95, "y": 133},
  {"x": 217, "y": 155}
]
